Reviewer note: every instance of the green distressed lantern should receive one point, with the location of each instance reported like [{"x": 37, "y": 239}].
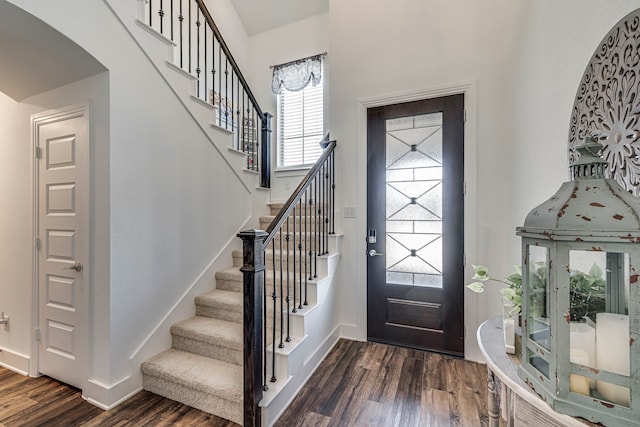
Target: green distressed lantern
[{"x": 581, "y": 303}]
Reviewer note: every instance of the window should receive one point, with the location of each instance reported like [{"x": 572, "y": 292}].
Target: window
[{"x": 300, "y": 126}]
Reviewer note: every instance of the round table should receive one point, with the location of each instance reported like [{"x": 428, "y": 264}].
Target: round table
[{"x": 509, "y": 396}]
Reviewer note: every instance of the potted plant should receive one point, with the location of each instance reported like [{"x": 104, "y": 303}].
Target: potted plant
[
  {"x": 511, "y": 295},
  {"x": 512, "y": 300}
]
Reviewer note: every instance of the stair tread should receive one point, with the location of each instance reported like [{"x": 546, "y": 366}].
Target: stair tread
[
  {"x": 210, "y": 330},
  {"x": 197, "y": 372},
  {"x": 220, "y": 296}
]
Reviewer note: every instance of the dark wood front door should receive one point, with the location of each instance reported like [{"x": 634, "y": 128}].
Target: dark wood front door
[{"x": 415, "y": 216}]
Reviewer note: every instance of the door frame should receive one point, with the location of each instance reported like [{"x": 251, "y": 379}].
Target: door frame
[
  {"x": 469, "y": 90},
  {"x": 37, "y": 121}
]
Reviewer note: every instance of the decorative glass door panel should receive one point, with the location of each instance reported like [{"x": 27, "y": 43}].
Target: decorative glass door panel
[
  {"x": 415, "y": 216},
  {"x": 414, "y": 200}
]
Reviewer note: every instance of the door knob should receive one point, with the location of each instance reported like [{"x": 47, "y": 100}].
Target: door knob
[
  {"x": 77, "y": 267},
  {"x": 373, "y": 252}
]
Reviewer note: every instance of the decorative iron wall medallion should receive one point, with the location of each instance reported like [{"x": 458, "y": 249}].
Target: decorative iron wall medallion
[{"x": 607, "y": 104}]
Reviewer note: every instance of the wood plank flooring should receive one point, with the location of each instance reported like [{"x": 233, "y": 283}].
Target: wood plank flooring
[
  {"x": 358, "y": 384},
  {"x": 369, "y": 384}
]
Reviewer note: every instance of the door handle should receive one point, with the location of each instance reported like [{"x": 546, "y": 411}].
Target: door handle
[
  {"x": 373, "y": 252},
  {"x": 77, "y": 267}
]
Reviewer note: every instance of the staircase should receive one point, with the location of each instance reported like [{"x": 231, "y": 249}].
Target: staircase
[
  {"x": 206, "y": 365},
  {"x": 203, "y": 368}
]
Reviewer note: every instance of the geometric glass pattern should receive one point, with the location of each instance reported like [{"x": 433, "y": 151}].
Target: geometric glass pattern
[{"x": 414, "y": 200}]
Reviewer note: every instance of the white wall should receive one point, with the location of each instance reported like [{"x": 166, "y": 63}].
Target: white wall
[
  {"x": 15, "y": 232},
  {"x": 565, "y": 33},
  {"x": 415, "y": 45},
  {"x": 232, "y": 30},
  {"x": 166, "y": 181},
  {"x": 287, "y": 43},
  {"x": 526, "y": 59},
  {"x": 16, "y": 217}
]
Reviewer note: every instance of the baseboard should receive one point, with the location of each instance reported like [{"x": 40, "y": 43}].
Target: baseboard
[
  {"x": 15, "y": 362},
  {"x": 352, "y": 332},
  {"x": 109, "y": 396}
]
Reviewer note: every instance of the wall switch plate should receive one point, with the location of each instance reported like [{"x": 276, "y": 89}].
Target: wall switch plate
[{"x": 349, "y": 212}]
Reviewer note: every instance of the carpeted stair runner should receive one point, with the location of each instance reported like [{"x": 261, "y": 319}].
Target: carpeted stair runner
[{"x": 203, "y": 368}]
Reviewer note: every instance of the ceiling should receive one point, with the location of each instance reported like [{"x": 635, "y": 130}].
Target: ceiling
[
  {"x": 36, "y": 58},
  {"x": 263, "y": 15}
]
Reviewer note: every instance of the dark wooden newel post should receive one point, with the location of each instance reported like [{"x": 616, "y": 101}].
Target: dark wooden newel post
[
  {"x": 253, "y": 282},
  {"x": 265, "y": 154}
]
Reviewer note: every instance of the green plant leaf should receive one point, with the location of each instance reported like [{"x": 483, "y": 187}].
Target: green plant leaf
[
  {"x": 515, "y": 280},
  {"x": 595, "y": 271},
  {"x": 481, "y": 272},
  {"x": 476, "y": 287},
  {"x": 508, "y": 293}
]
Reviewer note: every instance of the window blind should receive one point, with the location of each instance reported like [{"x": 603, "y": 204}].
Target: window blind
[{"x": 300, "y": 126}]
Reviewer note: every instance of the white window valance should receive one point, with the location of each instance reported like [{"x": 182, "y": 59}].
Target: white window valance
[{"x": 296, "y": 75}]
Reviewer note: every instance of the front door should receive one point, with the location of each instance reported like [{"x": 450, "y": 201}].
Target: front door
[
  {"x": 415, "y": 215},
  {"x": 62, "y": 151}
]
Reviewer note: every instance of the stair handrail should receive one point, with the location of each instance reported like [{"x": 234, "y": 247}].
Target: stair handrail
[
  {"x": 257, "y": 150},
  {"x": 265, "y": 118},
  {"x": 227, "y": 52},
  {"x": 281, "y": 217},
  {"x": 319, "y": 180}
]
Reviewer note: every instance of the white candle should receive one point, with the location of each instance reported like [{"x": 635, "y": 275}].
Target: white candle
[
  {"x": 612, "y": 354},
  {"x": 578, "y": 383},
  {"x": 583, "y": 337}
]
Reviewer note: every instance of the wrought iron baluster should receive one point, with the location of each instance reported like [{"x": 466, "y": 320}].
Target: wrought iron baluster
[
  {"x": 172, "y": 18},
  {"x": 161, "y": 15},
  {"x": 255, "y": 145},
  {"x": 295, "y": 238},
  {"x": 281, "y": 345},
  {"x": 180, "y": 19},
  {"x": 151, "y": 13},
  {"x": 300, "y": 257},
  {"x": 205, "y": 52},
  {"x": 236, "y": 112},
  {"x": 327, "y": 206},
  {"x": 273, "y": 326},
  {"x": 309, "y": 220},
  {"x": 198, "y": 69},
  {"x": 242, "y": 115},
  {"x": 213, "y": 73},
  {"x": 220, "y": 84},
  {"x": 226, "y": 93},
  {"x": 233, "y": 109},
  {"x": 322, "y": 207},
  {"x": 265, "y": 387},
  {"x": 333, "y": 193},
  {"x": 288, "y": 299},
  {"x": 316, "y": 227},
  {"x": 307, "y": 272}
]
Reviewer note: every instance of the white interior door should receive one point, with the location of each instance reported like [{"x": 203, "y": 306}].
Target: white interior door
[{"x": 62, "y": 151}]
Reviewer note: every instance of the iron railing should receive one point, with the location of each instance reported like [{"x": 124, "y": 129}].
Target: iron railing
[
  {"x": 278, "y": 265},
  {"x": 201, "y": 51}
]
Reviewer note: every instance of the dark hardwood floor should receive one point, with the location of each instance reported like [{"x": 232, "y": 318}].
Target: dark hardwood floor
[
  {"x": 358, "y": 384},
  {"x": 369, "y": 384}
]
